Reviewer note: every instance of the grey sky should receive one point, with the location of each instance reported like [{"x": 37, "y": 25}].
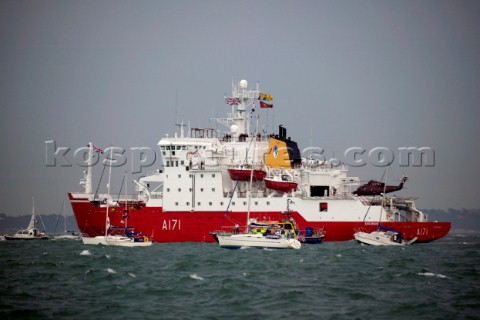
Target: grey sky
[{"x": 342, "y": 74}]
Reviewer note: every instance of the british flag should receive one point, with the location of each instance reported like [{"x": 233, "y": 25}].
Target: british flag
[
  {"x": 97, "y": 149},
  {"x": 232, "y": 101}
]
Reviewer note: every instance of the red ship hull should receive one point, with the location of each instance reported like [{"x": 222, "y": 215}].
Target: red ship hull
[{"x": 197, "y": 226}]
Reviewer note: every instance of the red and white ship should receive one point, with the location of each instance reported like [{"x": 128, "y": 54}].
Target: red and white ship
[{"x": 197, "y": 193}]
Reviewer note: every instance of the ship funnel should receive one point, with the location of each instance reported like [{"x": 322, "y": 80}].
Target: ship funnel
[{"x": 282, "y": 133}]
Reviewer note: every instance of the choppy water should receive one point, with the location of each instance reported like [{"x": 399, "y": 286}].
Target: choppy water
[{"x": 68, "y": 280}]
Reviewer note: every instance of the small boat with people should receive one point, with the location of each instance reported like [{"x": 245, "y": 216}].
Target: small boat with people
[
  {"x": 312, "y": 235},
  {"x": 265, "y": 234},
  {"x": 383, "y": 237}
]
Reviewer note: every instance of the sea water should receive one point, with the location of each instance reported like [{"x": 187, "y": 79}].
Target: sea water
[{"x": 65, "y": 279}]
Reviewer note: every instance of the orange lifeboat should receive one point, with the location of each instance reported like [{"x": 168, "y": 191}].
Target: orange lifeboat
[
  {"x": 282, "y": 183},
  {"x": 243, "y": 174}
]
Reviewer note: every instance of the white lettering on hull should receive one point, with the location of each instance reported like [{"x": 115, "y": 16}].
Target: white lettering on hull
[
  {"x": 422, "y": 231},
  {"x": 172, "y": 224}
]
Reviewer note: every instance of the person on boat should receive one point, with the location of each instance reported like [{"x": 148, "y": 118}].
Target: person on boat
[
  {"x": 398, "y": 238},
  {"x": 235, "y": 229},
  {"x": 324, "y": 231}
]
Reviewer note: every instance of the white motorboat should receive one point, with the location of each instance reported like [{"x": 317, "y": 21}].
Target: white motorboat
[
  {"x": 31, "y": 233},
  {"x": 117, "y": 240},
  {"x": 383, "y": 237},
  {"x": 254, "y": 240}
]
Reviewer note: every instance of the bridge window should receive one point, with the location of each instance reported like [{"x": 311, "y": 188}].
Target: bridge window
[{"x": 323, "y": 206}]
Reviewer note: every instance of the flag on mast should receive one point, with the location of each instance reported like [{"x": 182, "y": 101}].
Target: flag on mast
[
  {"x": 97, "y": 149},
  {"x": 265, "y": 96},
  {"x": 265, "y": 105},
  {"x": 232, "y": 101}
]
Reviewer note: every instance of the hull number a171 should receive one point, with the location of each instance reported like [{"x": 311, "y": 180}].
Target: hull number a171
[
  {"x": 422, "y": 231},
  {"x": 173, "y": 224}
]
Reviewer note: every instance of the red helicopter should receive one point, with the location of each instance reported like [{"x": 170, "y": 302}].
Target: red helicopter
[{"x": 374, "y": 188}]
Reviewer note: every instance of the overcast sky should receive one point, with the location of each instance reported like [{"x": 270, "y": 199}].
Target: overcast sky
[{"x": 343, "y": 74}]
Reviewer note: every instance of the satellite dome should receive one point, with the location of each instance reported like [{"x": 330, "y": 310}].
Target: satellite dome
[
  {"x": 233, "y": 128},
  {"x": 243, "y": 84}
]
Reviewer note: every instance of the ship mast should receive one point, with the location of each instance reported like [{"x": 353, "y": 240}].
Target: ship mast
[
  {"x": 108, "y": 191},
  {"x": 237, "y": 122},
  {"x": 88, "y": 174},
  {"x": 251, "y": 182}
]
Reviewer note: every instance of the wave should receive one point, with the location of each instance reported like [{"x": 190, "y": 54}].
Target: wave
[
  {"x": 85, "y": 253},
  {"x": 196, "y": 277},
  {"x": 431, "y": 274}
]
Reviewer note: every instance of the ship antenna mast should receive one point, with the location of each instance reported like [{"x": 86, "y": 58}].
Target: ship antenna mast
[
  {"x": 177, "y": 124},
  {"x": 242, "y": 97}
]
